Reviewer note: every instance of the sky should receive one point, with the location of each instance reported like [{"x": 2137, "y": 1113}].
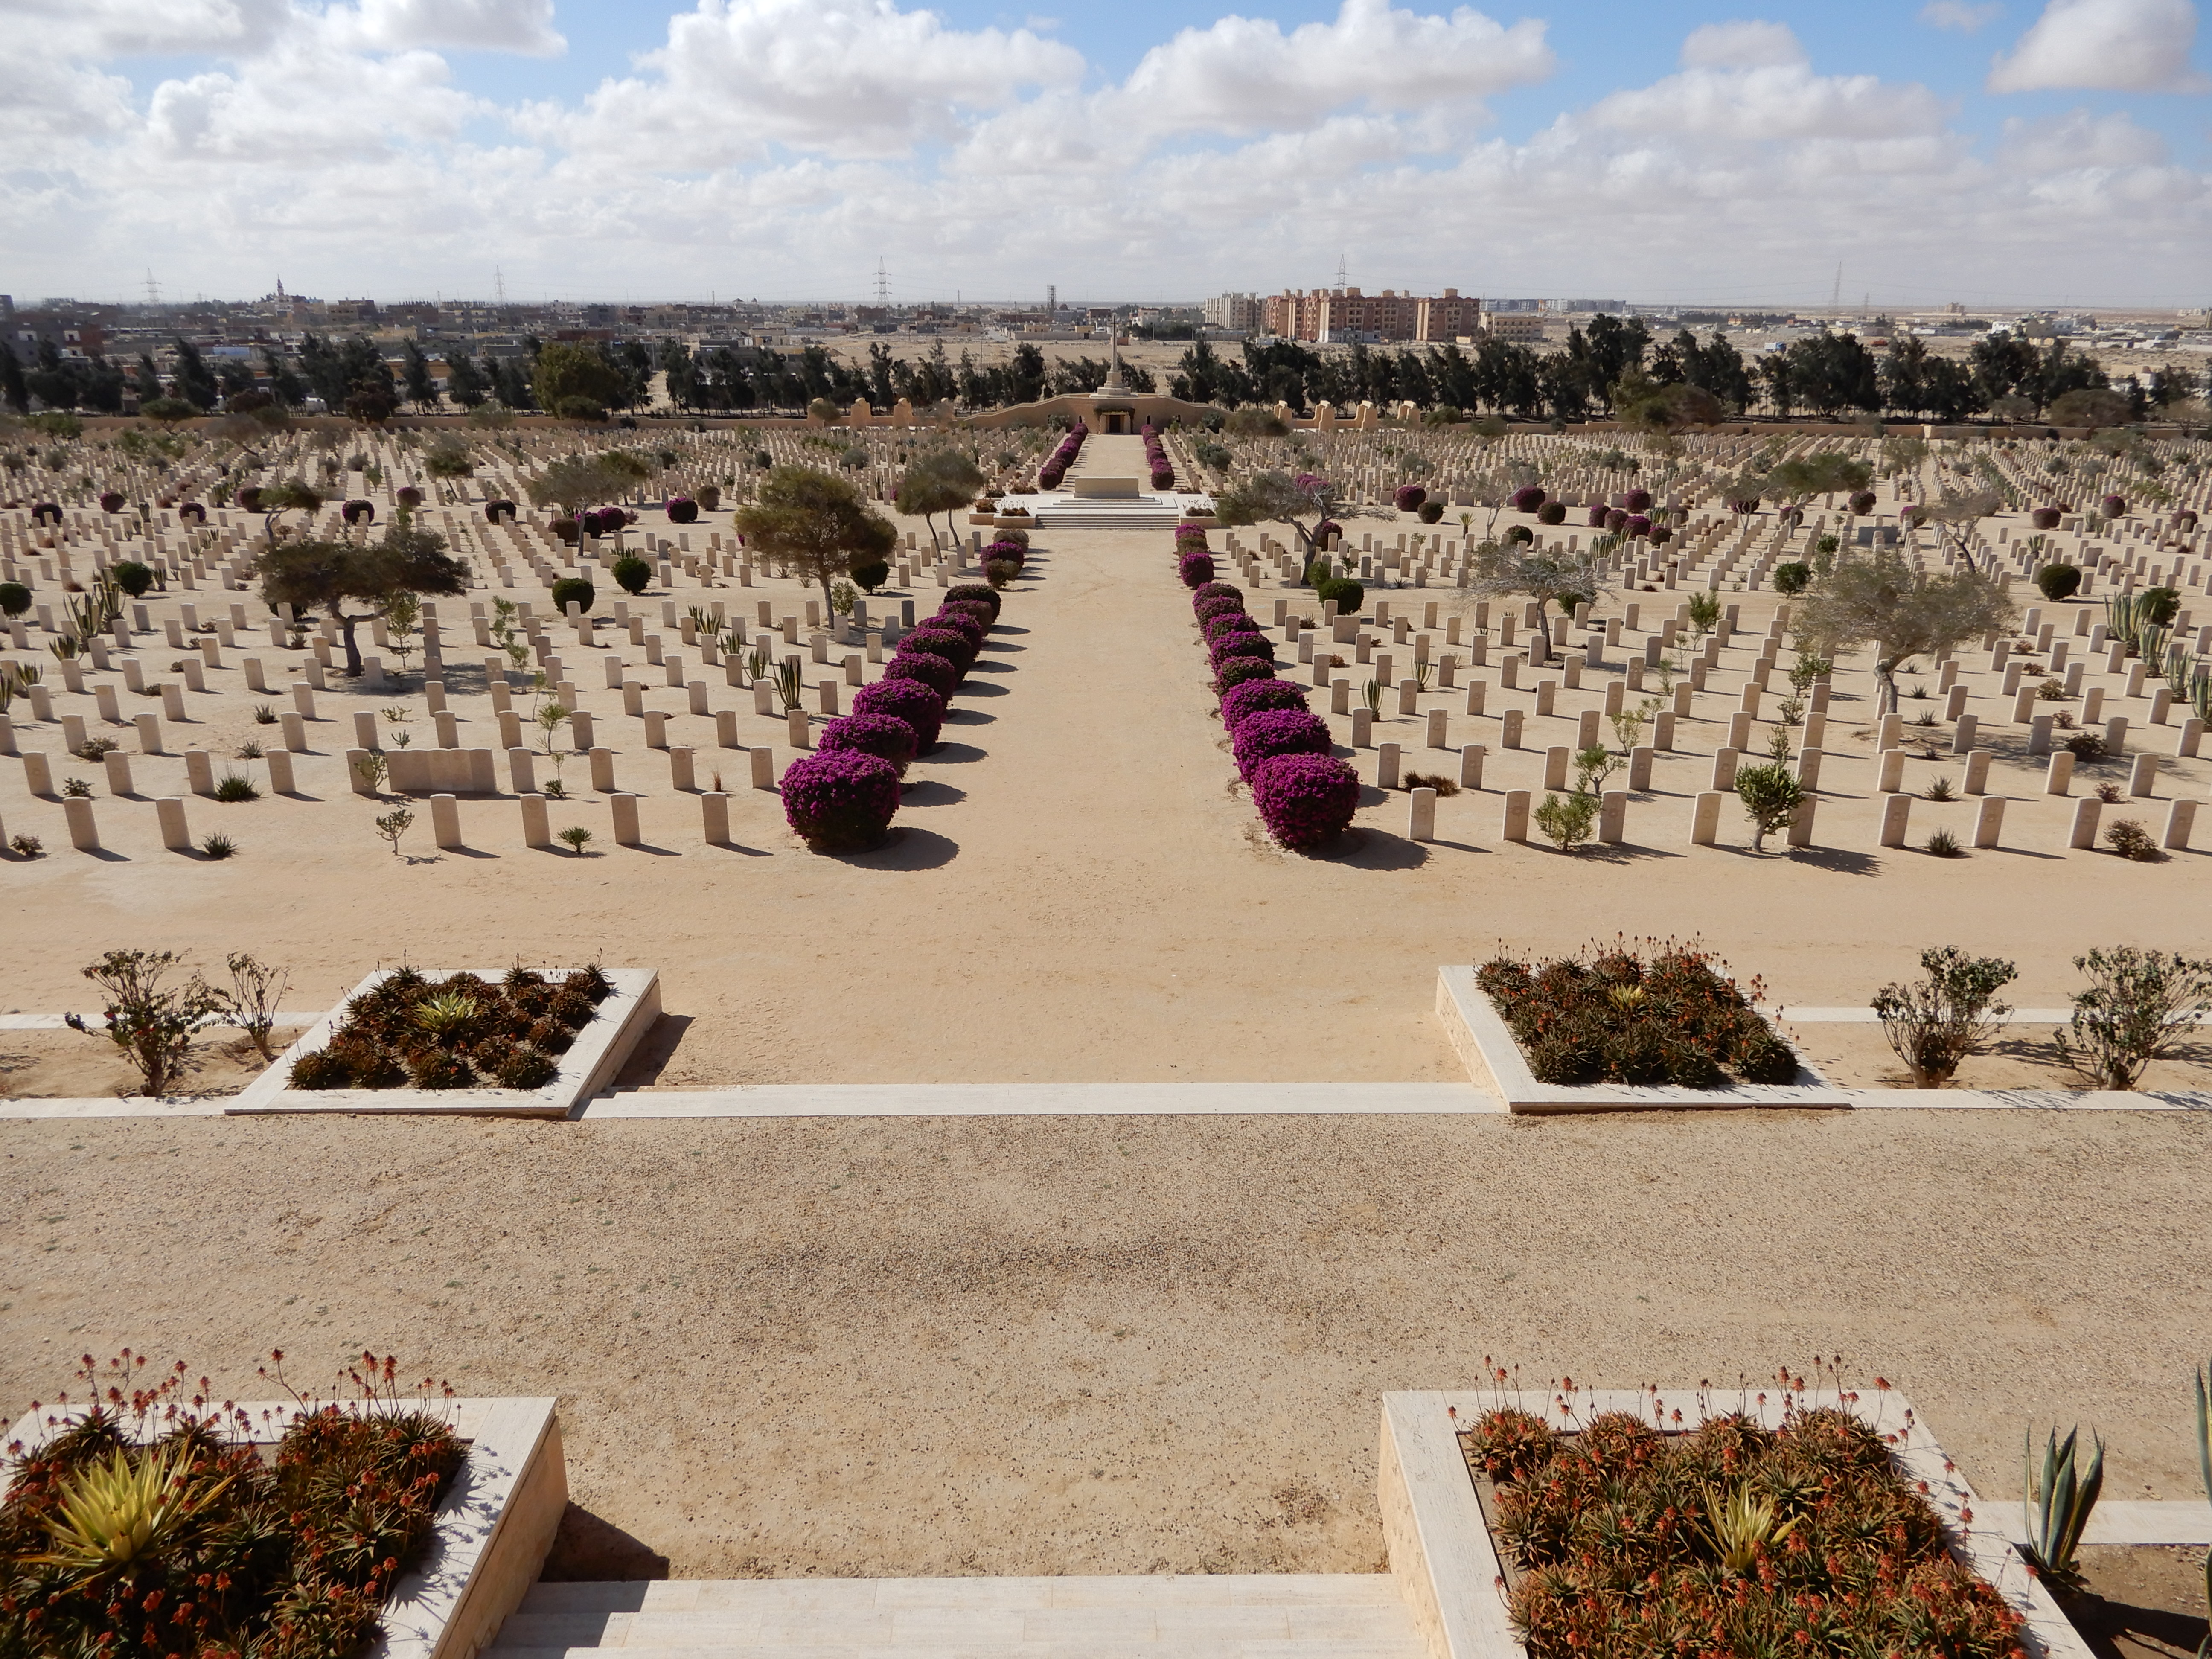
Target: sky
[{"x": 1904, "y": 152}]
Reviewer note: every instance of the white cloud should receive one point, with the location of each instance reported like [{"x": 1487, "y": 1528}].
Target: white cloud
[
  {"x": 1741, "y": 45},
  {"x": 1960, "y": 15},
  {"x": 2108, "y": 45},
  {"x": 519, "y": 26},
  {"x": 2079, "y": 139}
]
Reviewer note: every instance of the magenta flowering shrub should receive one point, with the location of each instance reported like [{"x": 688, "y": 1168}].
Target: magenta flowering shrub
[
  {"x": 1861, "y": 503},
  {"x": 979, "y": 614},
  {"x": 1275, "y": 732},
  {"x": 2115, "y": 507},
  {"x": 681, "y": 509},
  {"x": 1328, "y": 534},
  {"x": 840, "y": 800},
  {"x": 948, "y": 644},
  {"x": 358, "y": 512},
  {"x": 962, "y": 623},
  {"x": 1002, "y": 549},
  {"x": 1190, "y": 535},
  {"x": 1206, "y": 591},
  {"x": 1257, "y": 646},
  {"x": 1056, "y": 464},
  {"x": 110, "y": 501},
  {"x": 1217, "y": 628},
  {"x": 1195, "y": 568},
  {"x": 1636, "y": 501},
  {"x": 1527, "y": 499},
  {"x": 933, "y": 671},
  {"x": 976, "y": 592},
  {"x": 1407, "y": 498},
  {"x": 1241, "y": 701},
  {"x": 919, "y": 706},
  {"x": 1156, "y": 457},
  {"x": 1206, "y": 610},
  {"x": 408, "y": 496},
  {"x": 1637, "y": 524},
  {"x": 1597, "y": 516},
  {"x": 884, "y": 736},
  {"x": 1233, "y": 672},
  {"x": 1305, "y": 799},
  {"x": 1616, "y": 520}
]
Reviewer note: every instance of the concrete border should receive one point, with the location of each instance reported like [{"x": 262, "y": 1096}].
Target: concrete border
[
  {"x": 1447, "y": 1566},
  {"x": 1493, "y": 1060},
  {"x": 491, "y": 1535},
  {"x": 590, "y": 1064}
]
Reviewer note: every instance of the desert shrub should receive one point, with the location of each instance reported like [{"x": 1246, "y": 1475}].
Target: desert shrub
[
  {"x": 573, "y": 590},
  {"x": 1622, "y": 1011},
  {"x": 234, "y": 785},
  {"x": 2137, "y": 1005},
  {"x": 870, "y": 574},
  {"x": 2128, "y": 837},
  {"x": 526, "y": 1068},
  {"x": 632, "y": 574},
  {"x": 133, "y": 577},
  {"x": 884, "y": 736},
  {"x": 1241, "y": 701},
  {"x": 920, "y": 707},
  {"x": 1240, "y": 670},
  {"x": 1551, "y": 512},
  {"x": 1791, "y": 577},
  {"x": 2058, "y": 581},
  {"x": 1194, "y": 568},
  {"x": 1306, "y": 800},
  {"x": 14, "y": 598},
  {"x": 933, "y": 671},
  {"x": 1568, "y": 819},
  {"x": 681, "y": 509},
  {"x": 842, "y": 801},
  {"x": 323, "y": 1068},
  {"x": 1278, "y": 732},
  {"x": 2088, "y": 747},
  {"x": 1431, "y": 512},
  {"x": 999, "y": 572}
]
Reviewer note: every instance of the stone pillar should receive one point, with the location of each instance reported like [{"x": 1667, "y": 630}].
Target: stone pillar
[
  {"x": 1556, "y": 760},
  {"x": 449, "y": 727},
  {"x": 1740, "y": 732},
  {"x": 1724, "y": 765},
  {"x": 1386, "y": 766},
  {"x": 521, "y": 771},
  {"x": 2191, "y": 738},
  {"x": 1808, "y": 768},
  {"x": 118, "y": 765},
  {"x": 446, "y": 821},
  {"x": 1639, "y": 767},
  {"x": 656, "y": 729},
  {"x": 680, "y": 772},
  {"x": 303, "y": 700},
  {"x": 826, "y": 691},
  {"x": 279, "y": 762},
  {"x": 1978, "y": 770},
  {"x": 1475, "y": 696},
  {"x": 2180, "y": 819},
  {"x": 579, "y": 730},
  {"x": 1439, "y": 724},
  {"x": 1962, "y": 739},
  {"x": 2116, "y": 736},
  {"x": 2143, "y": 776},
  {"x": 1800, "y": 823},
  {"x": 149, "y": 733},
  {"x": 1612, "y": 815},
  {"x": 1892, "y": 779},
  {"x": 2059, "y": 780},
  {"x": 801, "y": 735},
  {"x": 763, "y": 768}
]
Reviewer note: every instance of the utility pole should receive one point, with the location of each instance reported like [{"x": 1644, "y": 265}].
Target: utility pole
[
  {"x": 882, "y": 283},
  {"x": 153, "y": 288}
]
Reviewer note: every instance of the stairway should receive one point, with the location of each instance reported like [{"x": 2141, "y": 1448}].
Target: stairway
[
  {"x": 1139, "y": 514},
  {"x": 1269, "y": 1616}
]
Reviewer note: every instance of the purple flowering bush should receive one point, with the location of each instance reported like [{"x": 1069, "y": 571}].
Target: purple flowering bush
[
  {"x": 681, "y": 509},
  {"x": 1002, "y": 549},
  {"x": 944, "y": 642},
  {"x": 1597, "y": 516},
  {"x": 884, "y": 736},
  {"x": 1407, "y": 498},
  {"x": 2115, "y": 507},
  {"x": 1240, "y": 702},
  {"x": 933, "y": 671},
  {"x": 908, "y": 700},
  {"x": 1527, "y": 499},
  {"x": 1219, "y": 604},
  {"x": 1638, "y": 501},
  {"x": 1233, "y": 672},
  {"x": 1305, "y": 799},
  {"x": 1195, "y": 568},
  {"x": 1217, "y": 628},
  {"x": 1275, "y": 732},
  {"x": 1257, "y": 646},
  {"x": 1206, "y": 591},
  {"x": 840, "y": 800},
  {"x": 1637, "y": 524},
  {"x": 976, "y": 592}
]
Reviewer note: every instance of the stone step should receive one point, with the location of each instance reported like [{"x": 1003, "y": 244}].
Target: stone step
[{"x": 1273, "y": 1616}]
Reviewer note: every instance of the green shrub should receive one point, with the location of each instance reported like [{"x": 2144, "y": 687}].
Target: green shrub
[
  {"x": 133, "y": 577},
  {"x": 14, "y": 598},
  {"x": 2059, "y": 581},
  {"x": 2153, "y": 605},
  {"x": 1793, "y": 577},
  {"x": 871, "y": 574},
  {"x": 236, "y": 786},
  {"x": 1431, "y": 512},
  {"x": 574, "y": 590},
  {"x": 1349, "y": 595},
  {"x": 632, "y": 574}
]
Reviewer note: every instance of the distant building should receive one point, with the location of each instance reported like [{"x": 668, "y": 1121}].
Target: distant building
[
  {"x": 1520, "y": 327},
  {"x": 1240, "y": 313},
  {"x": 1342, "y": 314}
]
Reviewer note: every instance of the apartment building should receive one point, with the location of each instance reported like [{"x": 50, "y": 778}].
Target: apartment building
[{"x": 1345, "y": 315}]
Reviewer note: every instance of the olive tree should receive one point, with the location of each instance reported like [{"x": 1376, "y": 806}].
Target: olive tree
[
  {"x": 310, "y": 574},
  {"x": 1279, "y": 498},
  {"x": 1507, "y": 569},
  {"x": 817, "y": 523},
  {"x": 941, "y": 480},
  {"x": 1881, "y": 598}
]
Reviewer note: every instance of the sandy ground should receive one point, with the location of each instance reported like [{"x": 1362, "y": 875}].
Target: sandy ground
[
  {"x": 77, "y": 1064},
  {"x": 1020, "y": 1346}
]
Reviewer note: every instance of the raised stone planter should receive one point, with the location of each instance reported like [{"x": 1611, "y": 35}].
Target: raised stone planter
[
  {"x": 1448, "y": 1568},
  {"x": 491, "y": 1533},
  {"x": 1493, "y": 1061},
  {"x": 589, "y": 1065}
]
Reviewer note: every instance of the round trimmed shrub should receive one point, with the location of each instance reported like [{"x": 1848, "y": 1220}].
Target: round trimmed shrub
[
  {"x": 1637, "y": 524},
  {"x": 110, "y": 501},
  {"x": 907, "y": 700},
  {"x": 1407, "y": 498},
  {"x": 935, "y": 672},
  {"x": 1661, "y": 535},
  {"x": 565, "y": 527},
  {"x": 884, "y": 736},
  {"x": 840, "y": 800},
  {"x": 1616, "y": 520},
  {"x": 981, "y": 593},
  {"x": 709, "y": 497},
  {"x": 14, "y": 598},
  {"x": 1219, "y": 605},
  {"x": 1258, "y": 647},
  {"x": 1305, "y": 799},
  {"x": 946, "y": 642},
  {"x": 1792, "y": 577},
  {"x": 1636, "y": 501},
  {"x": 2044, "y": 518},
  {"x": 681, "y": 509},
  {"x": 1278, "y": 732},
  {"x": 133, "y": 577},
  {"x": 1551, "y": 512},
  {"x": 1206, "y": 591},
  {"x": 1234, "y": 671},
  {"x": 1861, "y": 503},
  {"x": 632, "y": 574},
  {"x": 1597, "y": 516},
  {"x": 408, "y": 496},
  {"x": 960, "y": 623},
  {"x": 1431, "y": 512},
  {"x": 495, "y": 511},
  {"x": 1235, "y": 622},
  {"x": 1530, "y": 498},
  {"x": 1014, "y": 553},
  {"x": 1349, "y": 595},
  {"x": 49, "y": 512},
  {"x": 1518, "y": 535},
  {"x": 1195, "y": 568},
  {"x": 573, "y": 590},
  {"x": 981, "y": 616},
  {"x": 2059, "y": 581},
  {"x": 354, "y": 512},
  {"x": 324, "y": 1068},
  {"x": 249, "y": 498},
  {"x": 1240, "y": 702},
  {"x": 869, "y": 573},
  {"x": 2114, "y": 506}
]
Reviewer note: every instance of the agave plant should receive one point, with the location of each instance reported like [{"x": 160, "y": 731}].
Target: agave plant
[
  {"x": 1742, "y": 1524},
  {"x": 446, "y": 1012},
  {"x": 2056, "y": 1508},
  {"x": 110, "y": 1513},
  {"x": 790, "y": 683}
]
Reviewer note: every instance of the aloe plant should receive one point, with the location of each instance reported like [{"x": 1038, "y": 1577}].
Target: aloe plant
[
  {"x": 790, "y": 683},
  {"x": 2057, "y": 1507}
]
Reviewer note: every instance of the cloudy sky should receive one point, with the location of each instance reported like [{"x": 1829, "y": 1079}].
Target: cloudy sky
[{"x": 1990, "y": 151}]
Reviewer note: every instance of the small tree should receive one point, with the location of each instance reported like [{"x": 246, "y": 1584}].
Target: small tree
[
  {"x": 1279, "y": 498},
  {"x": 1502, "y": 570},
  {"x": 575, "y": 382},
  {"x": 154, "y": 1026},
  {"x": 1770, "y": 795},
  {"x": 1567, "y": 819},
  {"x": 256, "y": 988},
  {"x": 2137, "y": 1006},
  {"x": 1936, "y": 1022},
  {"x": 941, "y": 480},
  {"x": 278, "y": 499},
  {"x": 579, "y": 480},
  {"x": 1796, "y": 481},
  {"x": 394, "y": 824},
  {"x": 816, "y": 523},
  {"x": 1882, "y": 599},
  {"x": 311, "y": 574}
]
